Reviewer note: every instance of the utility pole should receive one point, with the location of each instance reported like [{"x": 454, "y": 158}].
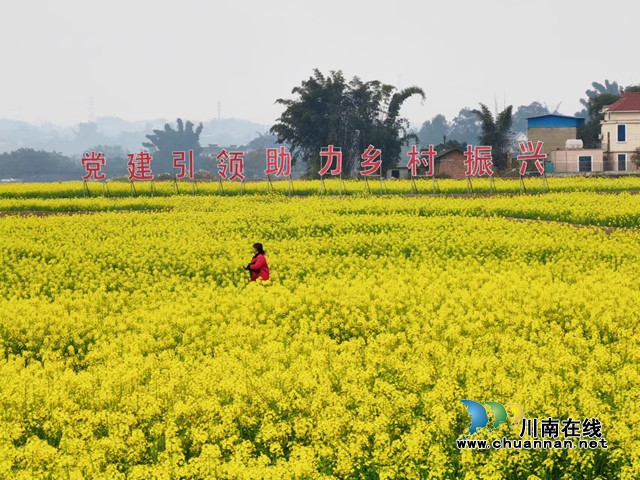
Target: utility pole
[{"x": 92, "y": 110}]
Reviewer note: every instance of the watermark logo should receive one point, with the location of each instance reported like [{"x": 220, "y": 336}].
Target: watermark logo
[
  {"x": 534, "y": 433},
  {"x": 480, "y": 418}
]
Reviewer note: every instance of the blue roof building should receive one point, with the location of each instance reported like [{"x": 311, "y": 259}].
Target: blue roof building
[
  {"x": 553, "y": 130},
  {"x": 555, "y": 121}
]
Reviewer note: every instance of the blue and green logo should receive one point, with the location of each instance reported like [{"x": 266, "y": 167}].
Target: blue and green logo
[{"x": 480, "y": 415}]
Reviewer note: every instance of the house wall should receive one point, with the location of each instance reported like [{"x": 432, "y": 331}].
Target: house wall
[
  {"x": 452, "y": 165},
  {"x": 566, "y": 161},
  {"x": 611, "y": 162},
  {"x": 610, "y": 143},
  {"x": 610, "y": 132},
  {"x": 554, "y": 138},
  {"x": 403, "y": 173}
]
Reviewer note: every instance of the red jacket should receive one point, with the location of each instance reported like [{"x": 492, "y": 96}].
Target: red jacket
[{"x": 259, "y": 268}]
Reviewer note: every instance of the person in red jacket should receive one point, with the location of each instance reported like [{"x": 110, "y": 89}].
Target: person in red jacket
[{"x": 258, "y": 267}]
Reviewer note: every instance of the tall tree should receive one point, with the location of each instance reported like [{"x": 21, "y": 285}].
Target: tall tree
[
  {"x": 465, "y": 127},
  {"x": 328, "y": 110},
  {"x": 162, "y": 144},
  {"x": 495, "y": 132},
  {"x": 635, "y": 157},
  {"x": 434, "y": 131},
  {"x": 590, "y": 133},
  {"x": 116, "y": 159},
  {"x": 28, "y": 164},
  {"x": 534, "y": 109},
  {"x": 450, "y": 145},
  {"x": 611, "y": 88}
]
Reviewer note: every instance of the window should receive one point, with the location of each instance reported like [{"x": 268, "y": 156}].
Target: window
[
  {"x": 584, "y": 164},
  {"x": 395, "y": 173},
  {"x": 622, "y": 133},
  {"x": 622, "y": 162}
]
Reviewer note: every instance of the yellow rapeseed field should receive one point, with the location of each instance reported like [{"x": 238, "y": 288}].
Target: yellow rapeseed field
[{"x": 133, "y": 345}]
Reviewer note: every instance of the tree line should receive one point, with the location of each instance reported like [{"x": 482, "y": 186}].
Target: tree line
[{"x": 329, "y": 109}]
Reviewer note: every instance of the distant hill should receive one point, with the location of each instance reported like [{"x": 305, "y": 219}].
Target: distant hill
[{"x": 116, "y": 131}]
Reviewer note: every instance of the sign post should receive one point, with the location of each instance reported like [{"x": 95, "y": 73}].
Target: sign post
[
  {"x": 529, "y": 153},
  {"x": 235, "y": 167},
  {"x": 139, "y": 166},
  {"x": 278, "y": 163},
  {"x": 372, "y": 162},
  {"x": 523, "y": 170},
  {"x": 93, "y": 163},
  {"x": 478, "y": 161},
  {"x": 330, "y": 152},
  {"x": 290, "y": 186},
  {"x": 176, "y": 189},
  {"x": 269, "y": 185},
  {"x": 416, "y": 159},
  {"x": 367, "y": 189}
]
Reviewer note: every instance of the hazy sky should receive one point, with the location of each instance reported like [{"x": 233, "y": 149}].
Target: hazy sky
[{"x": 144, "y": 59}]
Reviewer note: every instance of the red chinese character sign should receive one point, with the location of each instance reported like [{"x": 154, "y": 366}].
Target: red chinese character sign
[
  {"x": 231, "y": 165},
  {"x": 185, "y": 166},
  {"x": 478, "y": 161},
  {"x": 139, "y": 166},
  {"x": 371, "y": 160},
  {"x": 93, "y": 163},
  {"x": 531, "y": 153},
  {"x": 331, "y": 154},
  {"x": 528, "y": 153},
  {"x": 278, "y": 162},
  {"x": 417, "y": 159},
  {"x": 371, "y": 163}
]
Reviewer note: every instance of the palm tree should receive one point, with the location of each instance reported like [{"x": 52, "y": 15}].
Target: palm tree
[
  {"x": 495, "y": 132},
  {"x": 163, "y": 143},
  {"x": 353, "y": 115}
]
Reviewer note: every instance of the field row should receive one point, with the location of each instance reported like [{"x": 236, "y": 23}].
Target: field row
[
  {"x": 314, "y": 187},
  {"x": 133, "y": 345},
  {"x": 606, "y": 210}
]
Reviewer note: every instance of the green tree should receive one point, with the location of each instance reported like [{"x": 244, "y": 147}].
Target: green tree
[
  {"x": 434, "y": 131},
  {"x": 632, "y": 88},
  {"x": 162, "y": 144},
  {"x": 263, "y": 141},
  {"x": 450, "y": 145},
  {"x": 28, "y": 164},
  {"x": 590, "y": 133},
  {"x": 635, "y": 158},
  {"x": 534, "y": 109},
  {"x": 330, "y": 111},
  {"x": 607, "y": 87},
  {"x": 495, "y": 132},
  {"x": 116, "y": 164},
  {"x": 465, "y": 127}
]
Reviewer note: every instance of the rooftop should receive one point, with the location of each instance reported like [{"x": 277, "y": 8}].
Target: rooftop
[
  {"x": 553, "y": 120},
  {"x": 630, "y": 102}
]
